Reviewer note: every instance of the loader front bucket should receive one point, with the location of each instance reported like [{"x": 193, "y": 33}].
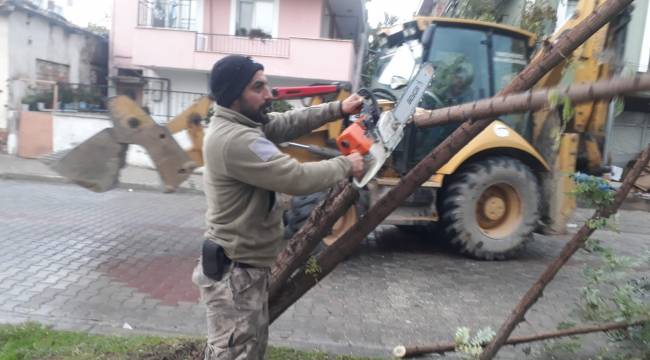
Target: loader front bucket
[{"x": 94, "y": 164}]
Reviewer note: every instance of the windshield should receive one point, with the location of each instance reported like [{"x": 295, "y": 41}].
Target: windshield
[
  {"x": 402, "y": 62},
  {"x": 509, "y": 58}
]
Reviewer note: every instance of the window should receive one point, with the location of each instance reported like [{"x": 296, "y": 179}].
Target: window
[
  {"x": 175, "y": 14},
  {"x": 51, "y": 71},
  {"x": 255, "y": 18}
]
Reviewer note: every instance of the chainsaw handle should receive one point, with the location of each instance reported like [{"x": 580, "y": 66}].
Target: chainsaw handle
[{"x": 370, "y": 107}]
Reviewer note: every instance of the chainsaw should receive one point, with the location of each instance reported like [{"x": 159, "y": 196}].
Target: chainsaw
[{"x": 375, "y": 134}]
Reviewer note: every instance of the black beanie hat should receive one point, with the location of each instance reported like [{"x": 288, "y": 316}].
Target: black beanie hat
[{"x": 230, "y": 76}]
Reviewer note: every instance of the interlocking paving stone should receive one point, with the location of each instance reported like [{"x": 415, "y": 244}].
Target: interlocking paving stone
[{"x": 87, "y": 261}]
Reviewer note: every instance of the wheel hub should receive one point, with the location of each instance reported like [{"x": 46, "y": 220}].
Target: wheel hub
[
  {"x": 498, "y": 210},
  {"x": 494, "y": 208}
]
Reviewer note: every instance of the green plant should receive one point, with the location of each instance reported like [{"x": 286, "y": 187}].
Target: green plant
[
  {"x": 538, "y": 17},
  {"x": 312, "y": 268},
  {"x": 281, "y": 106},
  {"x": 472, "y": 347}
]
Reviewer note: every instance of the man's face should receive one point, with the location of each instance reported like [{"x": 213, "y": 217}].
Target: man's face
[{"x": 255, "y": 101}]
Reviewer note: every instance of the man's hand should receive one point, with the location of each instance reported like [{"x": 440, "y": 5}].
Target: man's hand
[
  {"x": 356, "y": 160},
  {"x": 351, "y": 105}
]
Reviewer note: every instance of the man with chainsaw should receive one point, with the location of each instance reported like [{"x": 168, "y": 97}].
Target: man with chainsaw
[{"x": 243, "y": 171}]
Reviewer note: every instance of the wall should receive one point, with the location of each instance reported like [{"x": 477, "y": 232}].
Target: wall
[
  {"x": 300, "y": 18},
  {"x": 630, "y": 135},
  {"x": 35, "y": 134},
  {"x": 4, "y": 74},
  {"x": 216, "y": 16},
  {"x": 634, "y": 45},
  {"x": 124, "y": 21},
  {"x": 309, "y": 58},
  {"x": 32, "y": 37},
  {"x": 184, "y": 80}
]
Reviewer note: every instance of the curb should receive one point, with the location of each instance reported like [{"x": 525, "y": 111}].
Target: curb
[{"x": 120, "y": 185}]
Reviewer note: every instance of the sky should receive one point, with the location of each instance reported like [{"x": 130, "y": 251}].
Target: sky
[
  {"x": 403, "y": 9},
  {"x": 82, "y": 12}
]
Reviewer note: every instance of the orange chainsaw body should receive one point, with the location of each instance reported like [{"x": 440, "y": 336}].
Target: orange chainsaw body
[{"x": 354, "y": 139}]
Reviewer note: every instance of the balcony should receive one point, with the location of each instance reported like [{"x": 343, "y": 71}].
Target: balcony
[
  {"x": 293, "y": 57},
  {"x": 228, "y": 44}
]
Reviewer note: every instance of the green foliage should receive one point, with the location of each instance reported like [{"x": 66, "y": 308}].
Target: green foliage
[
  {"x": 312, "y": 268},
  {"x": 472, "y": 347},
  {"x": 594, "y": 190},
  {"x": 98, "y": 30},
  {"x": 91, "y": 96},
  {"x": 537, "y": 17},
  {"x": 280, "y": 106},
  {"x": 485, "y": 10},
  {"x": 614, "y": 293}
]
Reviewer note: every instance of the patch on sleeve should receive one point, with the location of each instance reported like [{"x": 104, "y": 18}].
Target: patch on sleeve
[{"x": 263, "y": 148}]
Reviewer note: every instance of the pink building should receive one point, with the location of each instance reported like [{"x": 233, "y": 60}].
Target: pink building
[{"x": 159, "y": 45}]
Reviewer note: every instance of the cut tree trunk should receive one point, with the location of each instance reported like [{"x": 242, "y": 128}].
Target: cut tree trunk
[
  {"x": 578, "y": 240},
  {"x": 308, "y": 237},
  {"x": 532, "y": 100},
  {"x": 327, "y": 260}
]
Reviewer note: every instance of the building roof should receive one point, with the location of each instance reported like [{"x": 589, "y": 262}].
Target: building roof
[{"x": 8, "y": 6}]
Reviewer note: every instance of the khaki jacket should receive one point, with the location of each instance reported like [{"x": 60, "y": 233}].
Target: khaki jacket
[{"x": 244, "y": 169}]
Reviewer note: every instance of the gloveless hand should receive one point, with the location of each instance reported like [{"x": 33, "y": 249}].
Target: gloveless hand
[{"x": 352, "y": 105}]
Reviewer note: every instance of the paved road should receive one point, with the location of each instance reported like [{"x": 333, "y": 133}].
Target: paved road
[{"x": 89, "y": 261}]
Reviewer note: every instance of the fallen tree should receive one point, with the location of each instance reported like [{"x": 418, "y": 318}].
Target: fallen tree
[
  {"x": 532, "y": 100},
  {"x": 403, "y": 351},
  {"x": 578, "y": 240},
  {"x": 327, "y": 260}
]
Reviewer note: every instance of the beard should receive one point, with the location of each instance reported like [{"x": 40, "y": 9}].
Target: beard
[{"x": 259, "y": 115}]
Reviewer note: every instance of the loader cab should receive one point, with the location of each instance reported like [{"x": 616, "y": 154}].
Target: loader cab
[{"x": 472, "y": 60}]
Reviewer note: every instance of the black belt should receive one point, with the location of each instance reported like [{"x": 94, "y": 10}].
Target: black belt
[{"x": 241, "y": 265}]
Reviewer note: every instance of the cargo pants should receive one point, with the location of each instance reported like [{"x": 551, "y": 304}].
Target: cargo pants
[{"x": 237, "y": 312}]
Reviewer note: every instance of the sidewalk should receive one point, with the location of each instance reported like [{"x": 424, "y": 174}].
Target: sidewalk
[
  {"x": 139, "y": 178},
  {"x": 131, "y": 177}
]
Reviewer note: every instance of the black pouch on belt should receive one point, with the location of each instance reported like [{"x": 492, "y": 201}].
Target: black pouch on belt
[{"x": 214, "y": 260}]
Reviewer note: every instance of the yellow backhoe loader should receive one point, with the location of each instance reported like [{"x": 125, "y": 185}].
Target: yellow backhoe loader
[{"x": 509, "y": 181}]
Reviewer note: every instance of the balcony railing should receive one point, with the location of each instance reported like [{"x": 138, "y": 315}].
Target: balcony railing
[
  {"x": 254, "y": 46},
  {"x": 173, "y": 14}
]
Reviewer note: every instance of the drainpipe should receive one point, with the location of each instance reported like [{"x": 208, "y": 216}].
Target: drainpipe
[
  {"x": 611, "y": 111},
  {"x": 361, "y": 51}
]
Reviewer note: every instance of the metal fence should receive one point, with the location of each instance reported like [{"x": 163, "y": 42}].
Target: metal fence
[
  {"x": 254, "y": 46},
  {"x": 174, "y": 14},
  {"x": 163, "y": 105}
]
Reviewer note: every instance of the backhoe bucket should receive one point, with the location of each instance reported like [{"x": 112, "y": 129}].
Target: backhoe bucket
[{"x": 94, "y": 164}]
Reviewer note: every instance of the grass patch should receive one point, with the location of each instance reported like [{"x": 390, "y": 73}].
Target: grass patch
[{"x": 34, "y": 341}]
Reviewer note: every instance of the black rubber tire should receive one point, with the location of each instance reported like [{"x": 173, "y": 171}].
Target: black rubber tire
[
  {"x": 299, "y": 210},
  {"x": 460, "y": 196}
]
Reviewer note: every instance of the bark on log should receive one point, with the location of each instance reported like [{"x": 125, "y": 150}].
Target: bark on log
[
  {"x": 300, "y": 283},
  {"x": 402, "y": 351},
  {"x": 308, "y": 237},
  {"x": 576, "y": 242},
  {"x": 532, "y": 100}
]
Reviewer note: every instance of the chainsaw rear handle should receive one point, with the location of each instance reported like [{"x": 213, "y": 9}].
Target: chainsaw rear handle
[{"x": 355, "y": 137}]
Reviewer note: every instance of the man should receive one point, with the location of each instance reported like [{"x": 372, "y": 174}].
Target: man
[{"x": 243, "y": 171}]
